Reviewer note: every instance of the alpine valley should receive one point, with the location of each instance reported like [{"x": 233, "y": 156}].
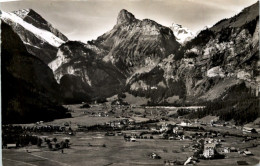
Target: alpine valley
[{"x": 42, "y": 69}]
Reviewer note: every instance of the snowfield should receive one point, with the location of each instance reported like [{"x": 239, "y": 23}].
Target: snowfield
[
  {"x": 182, "y": 34},
  {"x": 40, "y": 33}
]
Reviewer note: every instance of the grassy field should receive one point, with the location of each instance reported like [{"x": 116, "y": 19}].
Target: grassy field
[
  {"x": 116, "y": 152},
  {"x": 88, "y": 149}
]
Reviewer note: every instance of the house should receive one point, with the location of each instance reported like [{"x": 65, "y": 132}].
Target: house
[
  {"x": 155, "y": 156},
  {"x": 248, "y": 153},
  {"x": 169, "y": 162},
  {"x": 185, "y": 124},
  {"x": 248, "y": 129},
  {"x": 233, "y": 149},
  {"x": 153, "y": 129},
  {"x": 171, "y": 138},
  {"x": 177, "y": 130},
  {"x": 164, "y": 127},
  {"x": 186, "y": 137},
  {"x": 190, "y": 161},
  {"x": 226, "y": 150},
  {"x": 196, "y": 121},
  {"x": 208, "y": 140},
  {"x": 9, "y": 146},
  {"x": 66, "y": 124},
  {"x": 132, "y": 140},
  {"x": 131, "y": 121},
  {"x": 209, "y": 150}
]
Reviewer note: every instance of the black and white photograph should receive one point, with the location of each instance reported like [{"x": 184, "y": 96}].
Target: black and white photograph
[{"x": 130, "y": 83}]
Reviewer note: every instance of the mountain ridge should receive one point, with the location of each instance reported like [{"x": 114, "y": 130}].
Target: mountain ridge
[
  {"x": 207, "y": 61},
  {"x": 29, "y": 90},
  {"x": 145, "y": 59},
  {"x": 36, "y": 33}
]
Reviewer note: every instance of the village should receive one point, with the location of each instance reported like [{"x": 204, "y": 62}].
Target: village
[{"x": 158, "y": 135}]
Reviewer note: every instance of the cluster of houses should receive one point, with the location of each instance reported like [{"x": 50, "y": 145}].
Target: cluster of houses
[
  {"x": 212, "y": 147},
  {"x": 97, "y": 114},
  {"x": 248, "y": 130},
  {"x": 209, "y": 150},
  {"x": 132, "y": 137},
  {"x": 45, "y": 128},
  {"x": 120, "y": 123},
  {"x": 212, "y": 143},
  {"x": 39, "y": 128}
]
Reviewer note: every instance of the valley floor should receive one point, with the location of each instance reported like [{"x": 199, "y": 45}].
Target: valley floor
[{"x": 97, "y": 148}]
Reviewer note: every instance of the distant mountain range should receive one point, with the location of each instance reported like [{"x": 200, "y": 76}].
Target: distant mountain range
[{"x": 165, "y": 65}]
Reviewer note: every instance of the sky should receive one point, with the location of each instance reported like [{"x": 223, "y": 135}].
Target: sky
[{"x": 85, "y": 20}]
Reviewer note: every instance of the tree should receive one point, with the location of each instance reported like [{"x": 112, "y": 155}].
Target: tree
[
  {"x": 48, "y": 141},
  {"x": 39, "y": 142},
  {"x": 50, "y": 146},
  {"x": 54, "y": 140},
  {"x": 253, "y": 131},
  {"x": 62, "y": 144},
  {"x": 67, "y": 143},
  {"x": 57, "y": 146}
]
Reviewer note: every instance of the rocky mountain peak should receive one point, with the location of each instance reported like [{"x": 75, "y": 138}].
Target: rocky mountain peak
[
  {"x": 30, "y": 13},
  {"x": 36, "y": 33},
  {"x": 32, "y": 17},
  {"x": 125, "y": 17},
  {"x": 22, "y": 13}
]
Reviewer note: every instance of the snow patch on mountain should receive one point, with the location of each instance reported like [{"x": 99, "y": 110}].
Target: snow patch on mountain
[
  {"x": 40, "y": 33},
  {"x": 139, "y": 85},
  {"x": 55, "y": 64},
  {"x": 215, "y": 72},
  {"x": 26, "y": 43},
  {"x": 182, "y": 34},
  {"x": 87, "y": 79}
]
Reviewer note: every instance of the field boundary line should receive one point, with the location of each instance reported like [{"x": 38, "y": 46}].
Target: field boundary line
[
  {"x": 50, "y": 160},
  {"x": 18, "y": 161}
]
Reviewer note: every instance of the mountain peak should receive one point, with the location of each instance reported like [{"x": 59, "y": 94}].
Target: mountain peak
[
  {"x": 24, "y": 12},
  {"x": 125, "y": 17},
  {"x": 182, "y": 34}
]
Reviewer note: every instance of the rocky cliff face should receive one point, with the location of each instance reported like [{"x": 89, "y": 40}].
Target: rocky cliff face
[
  {"x": 209, "y": 65},
  {"x": 29, "y": 90},
  {"x": 146, "y": 59},
  {"x": 77, "y": 65},
  {"x": 134, "y": 45},
  {"x": 38, "y": 35}
]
